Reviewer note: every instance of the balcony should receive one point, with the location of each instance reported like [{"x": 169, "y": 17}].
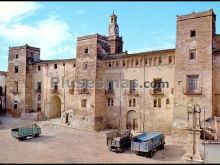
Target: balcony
[
  {"x": 37, "y": 90},
  {"x": 133, "y": 92},
  {"x": 159, "y": 91},
  {"x": 71, "y": 91},
  {"x": 54, "y": 91},
  {"x": 109, "y": 92},
  {"x": 197, "y": 91},
  {"x": 83, "y": 91}
]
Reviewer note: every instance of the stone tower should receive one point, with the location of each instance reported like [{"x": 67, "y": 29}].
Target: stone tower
[
  {"x": 20, "y": 79},
  {"x": 115, "y": 42},
  {"x": 193, "y": 64}
]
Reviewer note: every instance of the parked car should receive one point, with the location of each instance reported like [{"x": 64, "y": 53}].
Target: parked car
[{"x": 23, "y": 132}]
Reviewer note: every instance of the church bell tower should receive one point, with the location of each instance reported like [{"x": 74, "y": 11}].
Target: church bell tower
[{"x": 115, "y": 42}]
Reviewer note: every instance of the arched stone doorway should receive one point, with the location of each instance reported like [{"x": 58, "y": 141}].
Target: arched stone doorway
[
  {"x": 55, "y": 107},
  {"x": 132, "y": 120}
]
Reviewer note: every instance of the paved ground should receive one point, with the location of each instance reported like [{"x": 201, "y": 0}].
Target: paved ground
[{"x": 59, "y": 144}]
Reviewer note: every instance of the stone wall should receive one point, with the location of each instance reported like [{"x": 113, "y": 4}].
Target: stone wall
[{"x": 201, "y": 65}]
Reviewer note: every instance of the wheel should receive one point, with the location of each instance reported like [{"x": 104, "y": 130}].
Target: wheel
[
  {"x": 37, "y": 135},
  {"x": 150, "y": 154},
  {"x": 21, "y": 138}
]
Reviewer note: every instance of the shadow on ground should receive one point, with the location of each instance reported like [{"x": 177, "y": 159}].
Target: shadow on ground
[{"x": 41, "y": 138}]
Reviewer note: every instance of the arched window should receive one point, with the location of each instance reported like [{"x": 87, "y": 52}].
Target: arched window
[
  {"x": 170, "y": 59},
  {"x": 137, "y": 62},
  {"x": 167, "y": 101},
  {"x": 155, "y": 103},
  {"x": 160, "y": 60},
  {"x": 145, "y": 62},
  {"x": 134, "y": 102},
  {"x": 159, "y": 102},
  {"x": 130, "y": 102}
]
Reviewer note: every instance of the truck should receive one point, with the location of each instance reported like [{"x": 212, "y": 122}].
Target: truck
[
  {"x": 119, "y": 140},
  {"x": 147, "y": 143},
  {"x": 21, "y": 133}
]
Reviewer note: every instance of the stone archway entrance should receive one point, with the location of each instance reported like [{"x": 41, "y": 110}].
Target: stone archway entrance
[
  {"x": 132, "y": 120},
  {"x": 55, "y": 107}
]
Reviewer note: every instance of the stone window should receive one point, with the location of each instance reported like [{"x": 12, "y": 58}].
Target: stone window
[
  {"x": 16, "y": 56},
  {"x": 39, "y": 86},
  {"x": 192, "y": 33},
  {"x": 63, "y": 64},
  {"x": 124, "y": 64},
  {"x": 15, "y": 105},
  {"x": 109, "y": 101},
  {"x": 74, "y": 65},
  {"x": 55, "y": 66},
  {"x": 192, "y": 54},
  {"x": 170, "y": 59},
  {"x": 56, "y": 85},
  {"x": 85, "y": 65},
  {"x": 112, "y": 102},
  {"x": 192, "y": 83},
  {"x": 16, "y": 69},
  {"x": 160, "y": 60},
  {"x": 136, "y": 62},
  {"x": 38, "y": 107},
  {"x": 134, "y": 102},
  {"x": 155, "y": 103},
  {"x": 109, "y": 64},
  {"x": 130, "y": 102},
  {"x": 39, "y": 97},
  {"x": 132, "y": 86},
  {"x": 146, "y": 61},
  {"x": 83, "y": 103},
  {"x": 38, "y": 67},
  {"x": 159, "y": 102},
  {"x": 167, "y": 101},
  {"x": 110, "y": 85},
  {"x": 86, "y": 50},
  {"x": 15, "y": 87}
]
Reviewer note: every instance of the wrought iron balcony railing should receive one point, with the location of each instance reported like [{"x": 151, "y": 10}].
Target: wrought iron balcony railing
[
  {"x": 133, "y": 92},
  {"x": 158, "y": 91},
  {"x": 196, "y": 91},
  {"x": 109, "y": 91}
]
